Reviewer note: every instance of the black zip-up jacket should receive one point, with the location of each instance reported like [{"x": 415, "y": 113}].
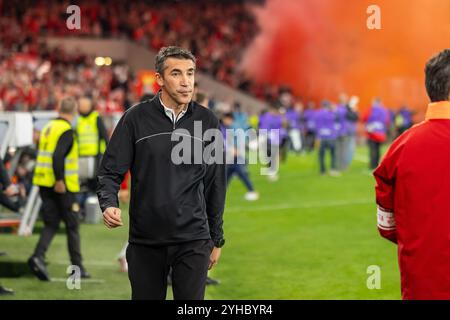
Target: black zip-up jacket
[{"x": 169, "y": 203}]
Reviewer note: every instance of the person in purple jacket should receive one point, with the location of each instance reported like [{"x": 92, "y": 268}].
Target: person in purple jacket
[
  {"x": 377, "y": 120},
  {"x": 309, "y": 126},
  {"x": 341, "y": 131},
  {"x": 325, "y": 123},
  {"x": 262, "y": 120},
  {"x": 403, "y": 120},
  {"x": 292, "y": 115},
  {"x": 273, "y": 121}
]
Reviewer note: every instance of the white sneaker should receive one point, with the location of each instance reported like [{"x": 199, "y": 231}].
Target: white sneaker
[
  {"x": 252, "y": 196},
  {"x": 335, "y": 173}
]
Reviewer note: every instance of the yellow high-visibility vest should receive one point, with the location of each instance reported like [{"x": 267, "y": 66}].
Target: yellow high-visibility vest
[
  {"x": 88, "y": 138},
  {"x": 43, "y": 172}
]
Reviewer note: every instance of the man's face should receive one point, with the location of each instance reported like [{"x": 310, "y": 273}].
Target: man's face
[
  {"x": 178, "y": 79},
  {"x": 227, "y": 121},
  {"x": 343, "y": 98},
  {"x": 84, "y": 105}
]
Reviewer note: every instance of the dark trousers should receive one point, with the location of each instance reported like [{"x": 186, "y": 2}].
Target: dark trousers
[
  {"x": 57, "y": 207},
  {"x": 327, "y": 144},
  {"x": 374, "y": 153},
  {"x": 148, "y": 267},
  {"x": 310, "y": 137},
  {"x": 241, "y": 171}
]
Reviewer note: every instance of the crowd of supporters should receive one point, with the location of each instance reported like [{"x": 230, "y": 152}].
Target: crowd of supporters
[
  {"x": 32, "y": 81},
  {"x": 217, "y": 32}
]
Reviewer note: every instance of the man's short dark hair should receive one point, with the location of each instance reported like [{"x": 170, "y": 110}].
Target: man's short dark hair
[
  {"x": 171, "y": 52},
  {"x": 68, "y": 105},
  {"x": 228, "y": 115},
  {"x": 437, "y": 76}
]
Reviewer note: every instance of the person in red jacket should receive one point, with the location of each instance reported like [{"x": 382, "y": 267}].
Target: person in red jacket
[{"x": 412, "y": 193}]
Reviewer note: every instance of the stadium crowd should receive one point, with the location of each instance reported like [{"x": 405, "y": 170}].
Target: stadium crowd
[
  {"x": 36, "y": 77},
  {"x": 217, "y": 34}
]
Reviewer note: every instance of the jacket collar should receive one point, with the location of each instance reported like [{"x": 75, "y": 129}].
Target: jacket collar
[
  {"x": 438, "y": 110},
  {"x": 157, "y": 99}
]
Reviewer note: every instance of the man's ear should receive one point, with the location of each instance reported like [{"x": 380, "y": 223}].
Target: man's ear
[{"x": 159, "y": 79}]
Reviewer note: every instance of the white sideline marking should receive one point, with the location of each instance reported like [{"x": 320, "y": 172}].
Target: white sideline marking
[
  {"x": 305, "y": 205},
  {"x": 82, "y": 280},
  {"x": 235, "y": 209},
  {"x": 89, "y": 263}
]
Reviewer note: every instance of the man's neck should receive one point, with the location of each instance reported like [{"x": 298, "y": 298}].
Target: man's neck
[
  {"x": 171, "y": 104},
  {"x": 66, "y": 117},
  {"x": 85, "y": 114}
]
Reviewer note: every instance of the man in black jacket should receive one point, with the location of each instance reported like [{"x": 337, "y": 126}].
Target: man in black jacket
[{"x": 175, "y": 209}]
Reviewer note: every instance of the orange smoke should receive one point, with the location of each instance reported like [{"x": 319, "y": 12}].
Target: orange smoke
[{"x": 323, "y": 47}]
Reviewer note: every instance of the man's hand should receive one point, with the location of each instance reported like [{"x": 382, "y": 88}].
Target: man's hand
[
  {"x": 60, "y": 186},
  {"x": 111, "y": 217},
  {"x": 214, "y": 257}
]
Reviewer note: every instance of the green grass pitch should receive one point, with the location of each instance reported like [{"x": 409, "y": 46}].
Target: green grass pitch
[{"x": 307, "y": 237}]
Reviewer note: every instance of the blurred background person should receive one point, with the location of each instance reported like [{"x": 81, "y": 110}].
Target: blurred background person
[
  {"x": 273, "y": 122},
  {"x": 233, "y": 145},
  {"x": 325, "y": 126},
  {"x": 292, "y": 116},
  {"x": 377, "y": 122},
  {"x": 92, "y": 140},
  {"x": 341, "y": 131},
  {"x": 403, "y": 120},
  {"x": 202, "y": 99},
  {"x": 352, "y": 118},
  {"x": 6, "y": 190},
  {"x": 240, "y": 117},
  {"x": 310, "y": 126}
]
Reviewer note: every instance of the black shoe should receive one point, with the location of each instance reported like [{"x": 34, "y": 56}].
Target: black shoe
[
  {"x": 37, "y": 265},
  {"x": 5, "y": 291},
  {"x": 211, "y": 281},
  {"x": 85, "y": 274},
  {"x": 2, "y": 253}
]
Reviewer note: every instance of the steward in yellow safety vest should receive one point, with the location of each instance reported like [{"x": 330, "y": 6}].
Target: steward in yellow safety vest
[
  {"x": 91, "y": 132},
  {"x": 57, "y": 168},
  {"x": 56, "y": 174}
]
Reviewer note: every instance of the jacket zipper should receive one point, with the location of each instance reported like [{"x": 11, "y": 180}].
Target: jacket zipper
[{"x": 180, "y": 120}]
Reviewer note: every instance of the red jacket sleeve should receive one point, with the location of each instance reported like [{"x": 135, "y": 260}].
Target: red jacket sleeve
[{"x": 385, "y": 176}]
